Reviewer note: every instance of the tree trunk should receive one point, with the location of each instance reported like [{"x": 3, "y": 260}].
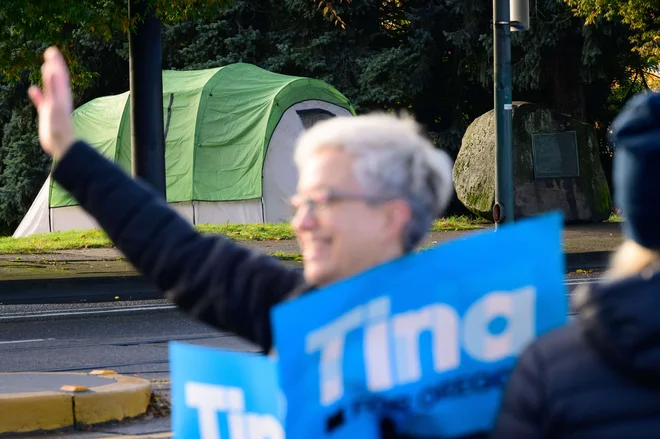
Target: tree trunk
[{"x": 567, "y": 90}]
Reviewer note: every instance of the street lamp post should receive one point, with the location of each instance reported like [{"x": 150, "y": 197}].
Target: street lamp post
[
  {"x": 508, "y": 15},
  {"x": 146, "y": 85}
]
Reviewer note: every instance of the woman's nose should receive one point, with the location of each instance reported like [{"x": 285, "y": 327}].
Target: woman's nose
[{"x": 304, "y": 218}]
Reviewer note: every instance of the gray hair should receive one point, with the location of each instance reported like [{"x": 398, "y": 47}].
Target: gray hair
[
  {"x": 631, "y": 259},
  {"x": 392, "y": 159}
]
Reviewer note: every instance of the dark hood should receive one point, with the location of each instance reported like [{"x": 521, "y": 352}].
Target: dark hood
[{"x": 622, "y": 320}]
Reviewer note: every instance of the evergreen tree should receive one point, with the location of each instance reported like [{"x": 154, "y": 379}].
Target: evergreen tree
[{"x": 24, "y": 166}]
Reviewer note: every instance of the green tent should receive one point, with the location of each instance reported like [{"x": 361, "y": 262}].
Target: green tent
[{"x": 230, "y": 134}]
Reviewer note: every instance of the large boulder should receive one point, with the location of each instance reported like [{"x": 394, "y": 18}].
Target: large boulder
[{"x": 582, "y": 197}]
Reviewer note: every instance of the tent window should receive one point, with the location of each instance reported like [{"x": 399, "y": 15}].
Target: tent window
[{"x": 310, "y": 118}]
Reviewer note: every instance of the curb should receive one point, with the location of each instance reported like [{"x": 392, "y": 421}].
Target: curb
[
  {"x": 77, "y": 289},
  {"x": 575, "y": 261},
  {"x": 124, "y": 397}
]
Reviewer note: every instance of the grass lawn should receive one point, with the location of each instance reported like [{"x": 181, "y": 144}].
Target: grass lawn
[
  {"x": 614, "y": 218},
  {"x": 75, "y": 240},
  {"x": 459, "y": 223}
]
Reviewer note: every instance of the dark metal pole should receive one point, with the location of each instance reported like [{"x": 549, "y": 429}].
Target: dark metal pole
[
  {"x": 503, "y": 210},
  {"x": 146, "y": 83}
]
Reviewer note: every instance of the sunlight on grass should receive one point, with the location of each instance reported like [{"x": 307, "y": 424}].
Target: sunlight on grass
[
  {"x": 86, "y": 239},
  {"x": 250, "y": 232},
  {"x": 47, "y": 243},
  {"x": 458, "y": 223},
  {"x": 287, "y": 256},
  {"x": 614, "y": 218}
]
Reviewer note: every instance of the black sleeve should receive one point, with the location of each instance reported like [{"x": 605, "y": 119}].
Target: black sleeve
[
  {"x": 213, "y": 279},
  {"x": 522, "y": 408}
]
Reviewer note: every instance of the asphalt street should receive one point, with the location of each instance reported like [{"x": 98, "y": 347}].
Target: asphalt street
[{"x": 128, "y": 337}]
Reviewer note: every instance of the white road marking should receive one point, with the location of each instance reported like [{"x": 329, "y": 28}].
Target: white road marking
[
  {"x": 26, "y": 341},
  {"x": 592, "y": 280},
  {"x": 83, "y": 313}
]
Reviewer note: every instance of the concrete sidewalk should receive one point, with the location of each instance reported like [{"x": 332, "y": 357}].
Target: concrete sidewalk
[{"x": 31, "y": 402}]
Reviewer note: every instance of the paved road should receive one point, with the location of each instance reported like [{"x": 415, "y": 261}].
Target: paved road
[{"x": 128, "y": 337}]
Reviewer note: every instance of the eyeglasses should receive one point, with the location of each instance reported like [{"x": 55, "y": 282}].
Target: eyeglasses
[{"x": 322, "y": 199}]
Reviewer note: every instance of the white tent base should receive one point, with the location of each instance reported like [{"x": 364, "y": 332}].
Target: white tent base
[
  {"x": 36, "y": 220},
  {"x": 197, "y": 212}
]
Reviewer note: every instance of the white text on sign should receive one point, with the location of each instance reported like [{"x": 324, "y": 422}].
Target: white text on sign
[
  {"x": 212, "y": 400},
  {"x": 401, "y": 332}
]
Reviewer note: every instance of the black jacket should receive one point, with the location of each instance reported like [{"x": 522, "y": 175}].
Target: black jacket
[
  {"x": 213, "y": 279},
  {"x": 597, "y": 377}
]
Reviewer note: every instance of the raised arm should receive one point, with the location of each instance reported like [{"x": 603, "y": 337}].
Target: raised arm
[
  {"x": 215, "y": 280},
  {"x": 212, "y": 278}
]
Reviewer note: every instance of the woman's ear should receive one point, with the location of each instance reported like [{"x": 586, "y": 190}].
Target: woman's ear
[{"x": 397, "y": 215}]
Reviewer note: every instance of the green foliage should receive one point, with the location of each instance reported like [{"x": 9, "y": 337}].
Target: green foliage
[
  {"x": 642, "y": 16},
  {"x": 250, "y": 232},
  {"x": 435, "y": 60},
  {"x": 395, "y": 58},
  {"x": 47, "y": 243},
  {"x": 24, "y": 165},
  {"x": 27, "y": 28},
  {"x": 614, "y": 218}
]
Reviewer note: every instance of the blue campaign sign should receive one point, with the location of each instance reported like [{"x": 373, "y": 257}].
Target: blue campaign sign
[
  {"x": 224, "y": 395},
  {"x": 426, "y": 341}
]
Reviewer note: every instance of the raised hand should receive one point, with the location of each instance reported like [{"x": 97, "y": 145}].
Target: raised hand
[{"x": 54, "y": 104}]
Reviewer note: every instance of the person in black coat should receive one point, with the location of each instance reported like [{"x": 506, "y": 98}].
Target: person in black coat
[
  {"x": 369, "y": 189},
  {"x": 599, "y": 376}
]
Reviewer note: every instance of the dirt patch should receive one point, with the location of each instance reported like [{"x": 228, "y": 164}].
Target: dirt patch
[
  {"x": 92, "y": 254},
  {"x": 160, "y": 405},
  {"x": 49, "y": 269},
  {"x": 577, "y": 239},
  {"x": 602, "y": 237},
  {"x": 592, "y": 238}
]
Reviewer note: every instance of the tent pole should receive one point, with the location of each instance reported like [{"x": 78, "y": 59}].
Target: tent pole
[{"x": 146, "y": 85}]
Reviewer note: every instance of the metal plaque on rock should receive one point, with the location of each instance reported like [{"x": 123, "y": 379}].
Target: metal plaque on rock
[{"x": 555, "y": 155}]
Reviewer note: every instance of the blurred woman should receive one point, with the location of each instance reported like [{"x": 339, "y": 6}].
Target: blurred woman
[{"x": 599, "y": 376}]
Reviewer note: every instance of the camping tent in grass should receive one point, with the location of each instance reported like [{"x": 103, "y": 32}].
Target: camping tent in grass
[{"x": 230, "y": 134}]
